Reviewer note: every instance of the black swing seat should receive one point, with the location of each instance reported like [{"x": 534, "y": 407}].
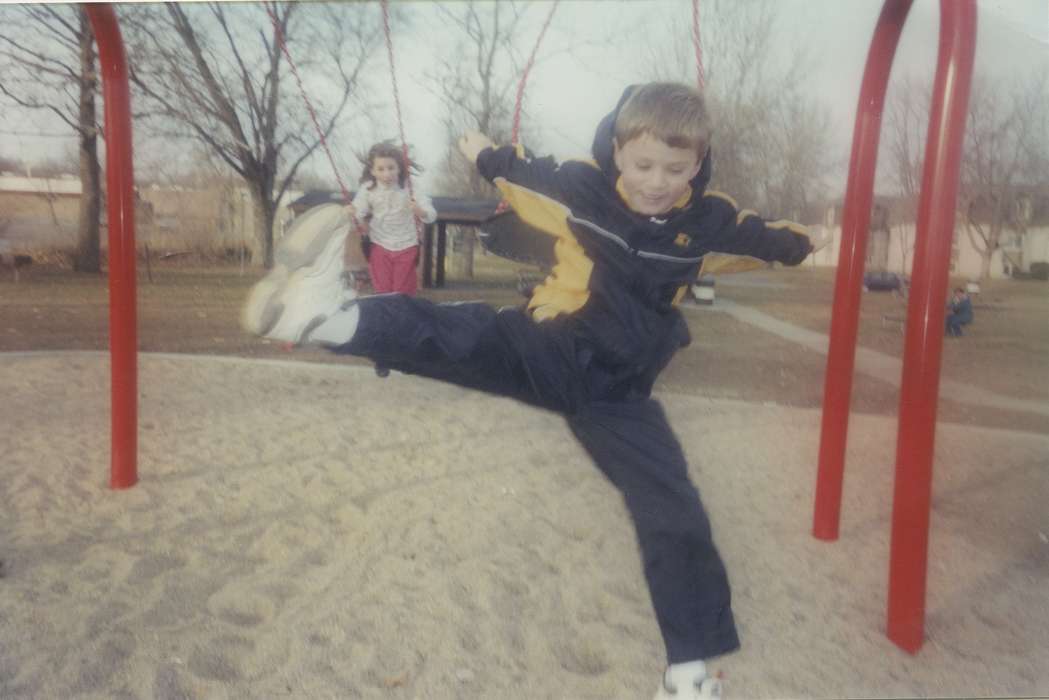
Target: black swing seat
[{"x": 507, "y": 236}]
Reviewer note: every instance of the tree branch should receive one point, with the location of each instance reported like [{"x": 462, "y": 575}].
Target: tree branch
[{"x": 225, "y": 111}]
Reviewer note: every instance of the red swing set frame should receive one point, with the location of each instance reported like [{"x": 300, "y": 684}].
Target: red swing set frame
[{"x": 925, "y": 314}]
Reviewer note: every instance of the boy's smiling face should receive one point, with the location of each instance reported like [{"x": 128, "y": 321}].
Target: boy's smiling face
[{"x": 654, "y": 175}]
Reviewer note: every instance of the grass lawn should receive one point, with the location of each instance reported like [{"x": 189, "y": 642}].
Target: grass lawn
[{"x": 193, "y": 308}]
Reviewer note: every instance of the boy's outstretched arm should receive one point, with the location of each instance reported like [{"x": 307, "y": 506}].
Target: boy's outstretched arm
[
  {"x": 743, "y": 232},
  {"x": 511, "y": 164},
  {"x": 536, "y": 188}
]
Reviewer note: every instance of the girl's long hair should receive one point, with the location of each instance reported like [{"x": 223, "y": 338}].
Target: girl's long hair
[{"x": 387, "y": 149}]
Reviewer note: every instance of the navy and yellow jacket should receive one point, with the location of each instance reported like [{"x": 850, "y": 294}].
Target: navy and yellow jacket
[{"x": 618, "y": 274}]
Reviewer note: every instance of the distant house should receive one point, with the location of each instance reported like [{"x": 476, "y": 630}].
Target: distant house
[
  {"x": 890, "y": 245},
  {"x": 44, "y": 213},
  {"x": 39, "y": 211},
  {"x": 63, "y": 185}
]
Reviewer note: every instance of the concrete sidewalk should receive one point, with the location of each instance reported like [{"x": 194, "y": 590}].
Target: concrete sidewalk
[
  {"x": 305, "y": 530},
  {"x": 870, "y": 362}
]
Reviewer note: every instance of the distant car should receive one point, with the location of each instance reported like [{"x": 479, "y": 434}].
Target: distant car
[
  {"x": 883, "y": 282},
  {"x": 703, "y": 291}
]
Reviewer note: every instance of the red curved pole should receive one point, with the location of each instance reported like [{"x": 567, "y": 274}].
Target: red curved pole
[
  {"x": 848, "y": 283},
  {"x": 120, "y": 212},
  {"x": 920, "y": 386}
]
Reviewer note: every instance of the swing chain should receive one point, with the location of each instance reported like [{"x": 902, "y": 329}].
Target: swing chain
[
  {"x": 700, "y": 77},
  {"x": 400, "y": 120},
  {"x": 279, "y": 33}
]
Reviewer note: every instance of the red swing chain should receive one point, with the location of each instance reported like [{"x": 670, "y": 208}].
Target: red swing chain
[
  {"x": 397, "y": 105},
  {"x": 279, "y": 33},
  {"x": 700, "y": 78},
  {"x": 526, "y": 71},
  {"x": 504, "y": 205}
]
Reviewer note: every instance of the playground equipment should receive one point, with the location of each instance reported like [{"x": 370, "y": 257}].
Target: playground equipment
[
  {"x": 925, "y": 313},
  {"x": 925, "y": 319},
  {"x": 120, "y": 208}
]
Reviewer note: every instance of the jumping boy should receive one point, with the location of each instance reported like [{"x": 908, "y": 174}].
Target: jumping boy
[{"x": 632, "y": 229}]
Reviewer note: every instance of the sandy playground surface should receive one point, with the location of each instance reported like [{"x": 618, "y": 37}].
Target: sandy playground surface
[{"x": 285, "y": 541}]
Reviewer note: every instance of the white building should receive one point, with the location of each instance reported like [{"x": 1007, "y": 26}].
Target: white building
[{"x": 890, "y": 245}]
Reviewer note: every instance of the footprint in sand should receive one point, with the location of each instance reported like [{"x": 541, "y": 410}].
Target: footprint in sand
[
  {"x": 581, "y": 658},
  {"x": 152, "y": 565},
  {"x": 240, "y": 608},
  {"x": 213, "y": 665},
  {"x": 168, "y": 684},
  {"x": 105, "y": 661}
]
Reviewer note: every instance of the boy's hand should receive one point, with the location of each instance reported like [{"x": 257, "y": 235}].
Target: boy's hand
[
  {"x": 819, "y": 237},
  {"x": 472, "y": 143}
]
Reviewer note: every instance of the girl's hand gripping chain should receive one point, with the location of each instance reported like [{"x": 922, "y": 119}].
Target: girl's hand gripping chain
[{"x": 419, "y": 211}]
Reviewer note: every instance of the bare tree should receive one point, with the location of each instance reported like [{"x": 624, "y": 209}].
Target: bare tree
[
  {"x": 13, "y": 165},
  {"x": 476, "y": 83},
  {"x": 907, "y": 120},
  {"x": 47, "y": 63},
  {"x": 54, "y": 167},
  {"x": 1005, "y": 150},
  {"x": 771, "y": 144},
  {"x": 216, "y": 72},
  {"x": 1004, "y": 155}
]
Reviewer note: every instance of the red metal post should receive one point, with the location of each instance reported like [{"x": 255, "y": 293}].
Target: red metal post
[
  {"x": 925, "y": 324},
  {"x": 848, "y": 283},
  {"x": 120, "y": 212}
]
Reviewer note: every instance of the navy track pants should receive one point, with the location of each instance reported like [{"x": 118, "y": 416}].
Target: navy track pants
[{"x": 627, "y": 435}]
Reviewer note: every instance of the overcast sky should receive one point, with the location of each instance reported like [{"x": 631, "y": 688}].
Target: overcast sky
[{"x": 569, "y": 93}]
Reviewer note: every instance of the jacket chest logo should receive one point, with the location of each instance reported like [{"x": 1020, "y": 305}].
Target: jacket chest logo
[{"x": 683, "y": 240}]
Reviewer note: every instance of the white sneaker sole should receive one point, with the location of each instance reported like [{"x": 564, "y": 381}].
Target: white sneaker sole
[
  {"x": 257, "y": 315},
  {"x": 307, "y": 299},
  {"x": 308, "y": 236},
  {"x": 305, "y": 286}
]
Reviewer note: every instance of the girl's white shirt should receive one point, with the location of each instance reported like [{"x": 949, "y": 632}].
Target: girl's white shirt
[{"x": 393, "y": 222}]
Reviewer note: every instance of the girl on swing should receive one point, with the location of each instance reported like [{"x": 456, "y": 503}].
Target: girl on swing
[{"x": 390, "y": 210}]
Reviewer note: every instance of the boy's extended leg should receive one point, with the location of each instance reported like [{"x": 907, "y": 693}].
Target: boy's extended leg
[
  {"x": 634, "y": 446},
  {"x": 306, "y": 283},
  {"x": 304, "y": 300},
  {"x": 469, "y": 344}
]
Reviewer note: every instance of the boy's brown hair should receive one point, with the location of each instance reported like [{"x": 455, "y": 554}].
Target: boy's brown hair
[{"x": 674, "y": 113}]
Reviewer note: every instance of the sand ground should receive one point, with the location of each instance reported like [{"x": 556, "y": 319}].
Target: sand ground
[{"x": 284, "y": 541}]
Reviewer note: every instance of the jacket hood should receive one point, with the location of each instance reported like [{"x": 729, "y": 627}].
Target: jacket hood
[{"x": 603, "y": 150}]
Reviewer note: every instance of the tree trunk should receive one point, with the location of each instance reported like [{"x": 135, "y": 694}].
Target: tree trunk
[
  {"x": 878, "y": 256},
  {"x": 264, "y": 210},
  {"x": 88, "y": 255},
  {"x": 985, "y": 263}
]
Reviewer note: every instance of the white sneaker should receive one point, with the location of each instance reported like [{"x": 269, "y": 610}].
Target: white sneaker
[
  {"x": 687, "y": 682},
  {"x": 308, "y": 235},
  {"x": 306, "y": 286}
]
